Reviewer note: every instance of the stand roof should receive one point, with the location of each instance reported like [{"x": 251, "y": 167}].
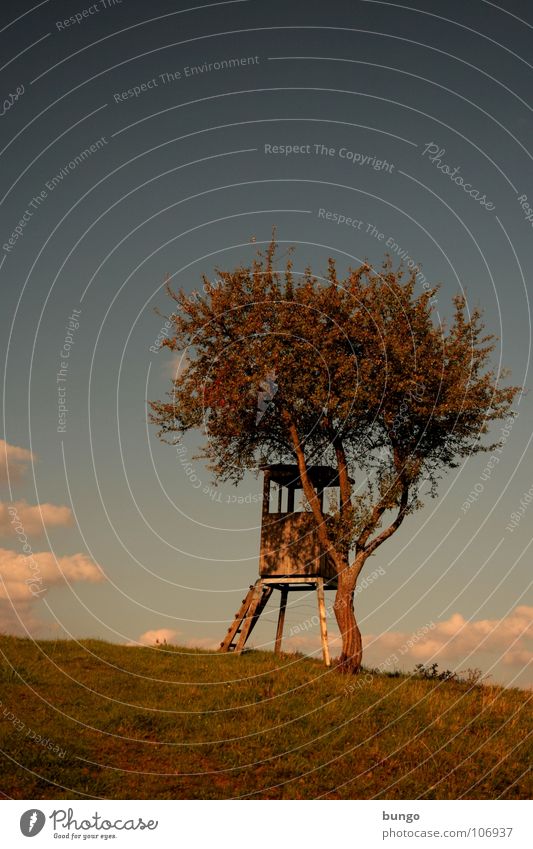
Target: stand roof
[{"x": 288, "y": 475}]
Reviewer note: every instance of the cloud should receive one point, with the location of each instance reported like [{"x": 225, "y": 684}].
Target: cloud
[
  {"x": 459, "y": 641},
  {"x": 175, "y": 365},
  {"x": 456, "y": 641},
  {"x": 169, "y": 635},
  {"x": 518, "y": 657},
  {"x": 160, "y": 635},
  {"x": 25, "y": 575},
  {"x": 13, "y": 461},
  {"x": 20, "y": 619},
  {"x": 25, "y": 578},
  {"x": 28, "y": 576},
  {"x": 21, "y": 518},
  {"x": 310, "y": 643},
  {"x": 206, "y": 643}
]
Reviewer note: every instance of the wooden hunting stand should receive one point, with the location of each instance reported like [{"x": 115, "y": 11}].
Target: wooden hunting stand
[{"x": 291, "y": 556}]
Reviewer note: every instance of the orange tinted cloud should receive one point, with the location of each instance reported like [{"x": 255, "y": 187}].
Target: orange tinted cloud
[
  {"x": 455, "y": 641},
  {"x": 14, "y": 461},
  {"x": 149, "y": 638},
  {"x": 458, "y": 640},
  {"x": 23, "y": 578},
  {"x": 23, "y": 518}
]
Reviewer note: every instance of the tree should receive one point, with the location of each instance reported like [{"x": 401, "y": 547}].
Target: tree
[{"x": 365, "y": 379}]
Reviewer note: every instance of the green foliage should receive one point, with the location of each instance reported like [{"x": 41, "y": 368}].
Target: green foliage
[{"x": 365, "y": 376}]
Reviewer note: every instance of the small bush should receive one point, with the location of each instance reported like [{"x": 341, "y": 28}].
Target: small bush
[
  {"x": 431, "y": 673},
  {"x": 472, "y": 677}
]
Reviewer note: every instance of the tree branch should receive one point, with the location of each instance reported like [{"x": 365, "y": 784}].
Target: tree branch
[
  {"x": 311, "y": 495},
  {"x": 344, "y": 478},
  {"x": 375, "y": 516},
  {"x": 388, "y": 532}
]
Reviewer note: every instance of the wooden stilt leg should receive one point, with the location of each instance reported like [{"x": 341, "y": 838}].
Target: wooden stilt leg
[
  {"x": 255, "y": 602},
  {"x": 229, "y": 640},
  {"x": 281, "y": 619},
  {"x": 262, "y": 594},
  {"x": 322, "y": 618}
]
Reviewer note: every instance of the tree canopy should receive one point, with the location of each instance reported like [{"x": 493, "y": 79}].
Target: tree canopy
[{"x": 357, "y": 373}]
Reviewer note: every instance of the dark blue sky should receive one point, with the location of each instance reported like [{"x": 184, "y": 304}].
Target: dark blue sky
[{"x": 160, "y": 168}]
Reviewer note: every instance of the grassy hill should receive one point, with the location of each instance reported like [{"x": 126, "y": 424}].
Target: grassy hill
[{"x": 92, "y": 719}]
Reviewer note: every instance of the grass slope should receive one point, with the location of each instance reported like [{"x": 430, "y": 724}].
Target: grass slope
[{"x": 121, "y": 722}]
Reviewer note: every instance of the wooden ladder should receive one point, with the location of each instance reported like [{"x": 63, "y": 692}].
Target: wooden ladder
[{"x": 246, "y": 617}]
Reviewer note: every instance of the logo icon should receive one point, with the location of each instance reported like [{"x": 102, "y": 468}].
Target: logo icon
[
  {"x": 32, "y": 822},
  {"x": 269, "y": 388}
]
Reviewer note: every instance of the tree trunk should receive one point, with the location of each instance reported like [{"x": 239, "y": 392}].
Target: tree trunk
[{"x": 352, "y": 645}]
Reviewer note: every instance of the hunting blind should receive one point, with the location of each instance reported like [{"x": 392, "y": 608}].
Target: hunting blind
[{"x": 291, "y": 557}]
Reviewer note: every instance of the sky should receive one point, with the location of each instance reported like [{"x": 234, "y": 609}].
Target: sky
[{"x": 144, "y": 141}]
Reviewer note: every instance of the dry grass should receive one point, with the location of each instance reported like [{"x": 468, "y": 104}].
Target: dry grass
[{"x": 120, "y": 722}]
